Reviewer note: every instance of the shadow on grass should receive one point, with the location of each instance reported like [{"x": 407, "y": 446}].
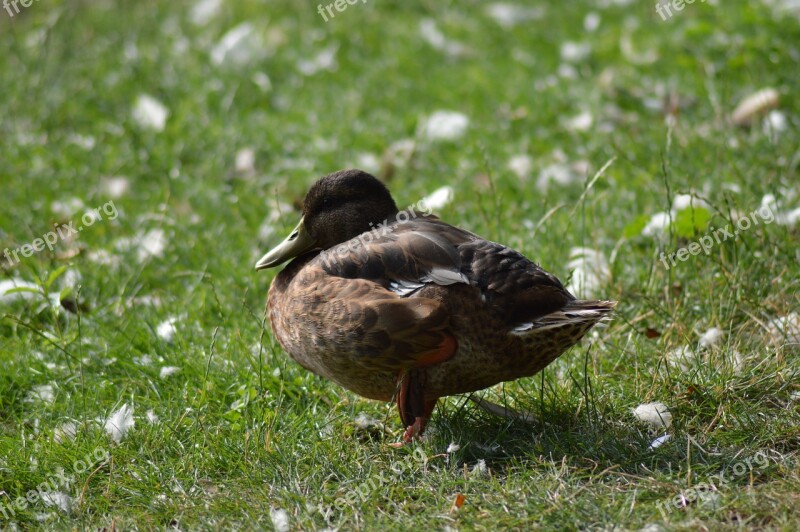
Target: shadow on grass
[{"x": 586, "y": 442}]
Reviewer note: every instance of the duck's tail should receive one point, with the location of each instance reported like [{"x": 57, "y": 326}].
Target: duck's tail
[
  {"x": 552, "y": 334},
  {"x": 578, "y": 314}
]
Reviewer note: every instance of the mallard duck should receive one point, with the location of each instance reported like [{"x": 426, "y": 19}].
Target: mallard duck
[{"x": 401, "y": 306}]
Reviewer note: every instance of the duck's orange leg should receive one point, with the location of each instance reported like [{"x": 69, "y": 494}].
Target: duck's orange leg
[
  {"x": 415, "y": 410},
  {"x": 416, "y": 429}
]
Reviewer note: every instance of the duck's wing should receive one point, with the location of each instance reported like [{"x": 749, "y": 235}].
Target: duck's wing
[
  {"x": 516, "y": 289},
  {"x": 408, "y": 256},
  {"x": 373, "y": 326}
]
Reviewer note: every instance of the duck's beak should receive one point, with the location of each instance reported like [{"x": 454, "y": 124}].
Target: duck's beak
[{"x": 298, "y": 242}]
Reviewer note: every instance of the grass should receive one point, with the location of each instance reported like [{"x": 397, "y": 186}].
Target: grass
[{"x": 243, "y": 433}]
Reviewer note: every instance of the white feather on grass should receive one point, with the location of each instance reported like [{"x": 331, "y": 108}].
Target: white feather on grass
[
  {"x": 150, "y": 113},
  {"x": 655, "y": 414},
  {"x": 119, "y": 423},
  {"x": 280, "y": 519},
  {"x": 444, "y": 126}
]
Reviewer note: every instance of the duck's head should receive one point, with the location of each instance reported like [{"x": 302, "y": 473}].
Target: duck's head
[{"x": 338, "y": 207}]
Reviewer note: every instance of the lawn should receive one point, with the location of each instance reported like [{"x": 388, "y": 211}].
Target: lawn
[{"x": 153, "y": 151}]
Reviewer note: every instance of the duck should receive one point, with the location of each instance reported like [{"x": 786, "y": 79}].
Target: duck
[{"x": 400, "y": 306}]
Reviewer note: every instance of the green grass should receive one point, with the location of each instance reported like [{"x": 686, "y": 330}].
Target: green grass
[{"x": 243, "y": 431}]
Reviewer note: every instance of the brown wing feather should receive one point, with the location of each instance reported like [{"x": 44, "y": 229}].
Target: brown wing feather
[{"x": 381, "y": 330}]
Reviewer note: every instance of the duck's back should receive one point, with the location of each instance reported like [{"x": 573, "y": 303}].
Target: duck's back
[{"x": 405, "y": 256}]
